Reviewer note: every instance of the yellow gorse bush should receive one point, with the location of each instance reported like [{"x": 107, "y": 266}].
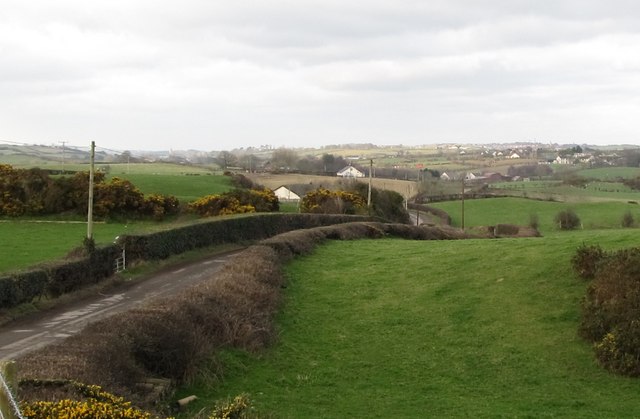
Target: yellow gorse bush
[
  {"x": 234, "y": 409},
  {"x": 98, "y": 404}
]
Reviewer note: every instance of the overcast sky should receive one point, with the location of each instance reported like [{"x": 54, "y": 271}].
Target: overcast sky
[{"x": 223, "y": 74}]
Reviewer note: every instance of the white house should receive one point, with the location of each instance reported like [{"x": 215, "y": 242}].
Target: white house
[
  {"x": 514, "y": 155},
  {"x": 350, "y": 171},
  {"x": 285, "y": 194}
]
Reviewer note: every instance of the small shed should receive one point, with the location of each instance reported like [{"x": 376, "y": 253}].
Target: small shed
[{"x": 285, "y": 194}]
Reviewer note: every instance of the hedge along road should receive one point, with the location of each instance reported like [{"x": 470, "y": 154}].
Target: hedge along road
[{"x": 29, "y": 334}]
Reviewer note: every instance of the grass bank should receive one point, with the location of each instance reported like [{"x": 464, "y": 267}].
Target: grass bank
[{"x": 395, "y": 328}]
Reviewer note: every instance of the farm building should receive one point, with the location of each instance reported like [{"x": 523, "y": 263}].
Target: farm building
[
  {"x": 350, "y": 171},
  {"x": 285, "y": 194}
]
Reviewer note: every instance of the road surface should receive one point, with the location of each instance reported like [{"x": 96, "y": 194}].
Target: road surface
[{"x": 31, "y": 333}]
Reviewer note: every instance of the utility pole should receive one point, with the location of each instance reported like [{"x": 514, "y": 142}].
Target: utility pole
[
  {"x": 462, "y": 194},
  {"x": 90, "y": 209},
  {"x": 63, "y": 143},
  {"x": 370, "y": 180}
]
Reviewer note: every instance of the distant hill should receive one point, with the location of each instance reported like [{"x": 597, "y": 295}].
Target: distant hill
[{"x": 47, "y": 156}]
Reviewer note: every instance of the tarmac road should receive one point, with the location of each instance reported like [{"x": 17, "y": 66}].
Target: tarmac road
[{"x": 24, "y": 335}]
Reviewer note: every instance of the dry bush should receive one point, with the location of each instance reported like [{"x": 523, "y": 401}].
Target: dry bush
[
  {"x": 293, "y": 243},
  {"x": 352, "y": 231},
  {"x": 93, "y": 356},
  {"x": 424, "y": 232}
]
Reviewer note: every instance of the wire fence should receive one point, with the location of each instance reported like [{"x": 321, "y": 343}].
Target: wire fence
[{"x": 11, "y": 410}]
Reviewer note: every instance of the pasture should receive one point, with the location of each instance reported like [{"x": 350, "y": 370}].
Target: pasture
[
  {"x": 186, "y": 188},
  {"x": 610, "y": 173},
  {"x": 491, "y": 211},
  {"x": 28, "y": 242},
  {"x": 595, "y": 190},
  {"x": 394, "y": 328}
]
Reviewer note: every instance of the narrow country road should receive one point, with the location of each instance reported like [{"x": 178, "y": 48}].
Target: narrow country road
[{"x": 28, "y": 334}]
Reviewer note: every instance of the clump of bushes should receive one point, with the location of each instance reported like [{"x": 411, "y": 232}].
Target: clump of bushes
[
  {"x": 567, "y": 220},
  {"x": 610, "y": 308},
  {"x": 34, "y": 192},
  {"x": 324, "y": 201},
  {"x": 238, "y": 201}
]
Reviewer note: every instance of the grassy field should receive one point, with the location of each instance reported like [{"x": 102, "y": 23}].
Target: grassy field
[
  {"x": 26, "y": 243},
  {"x": 610, "y": 173},
  {"x": 553, "y": 189},
  {"x": 186, "y": 188},
  {"x": 482, "y": 212},
  {"x": 394, "y": 328}
]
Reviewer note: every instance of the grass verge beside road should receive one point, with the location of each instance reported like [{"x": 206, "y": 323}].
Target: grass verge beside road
[{"x": 394, "y": 328}]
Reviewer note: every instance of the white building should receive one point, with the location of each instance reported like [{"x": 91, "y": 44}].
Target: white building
[
  {"x": 350, "y": 171},
  {"x": 285, "y": 194}
]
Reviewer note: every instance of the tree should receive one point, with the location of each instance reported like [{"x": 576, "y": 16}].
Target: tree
[
  {"x": 284, "y": 159},
  {"x": 226, "y": 159},
  {"x": 567, "y": 220}
]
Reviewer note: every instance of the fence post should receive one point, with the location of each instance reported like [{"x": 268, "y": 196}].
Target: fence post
[{"x": 7, "y": 403}]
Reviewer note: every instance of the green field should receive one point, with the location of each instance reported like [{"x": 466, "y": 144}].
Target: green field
[
  {"x": 27, "y": 243},
  {"x": 556, "y": 190},
  {"x": 491, "y": 211},
  {"x": 610, "y": 173},
  {"x": 186, "y": 188},
  {"x": 408, "y": 329}
]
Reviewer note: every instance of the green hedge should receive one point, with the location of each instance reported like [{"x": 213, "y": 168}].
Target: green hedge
[
  {"x": 163, "y": 244},
  {"x": 58, "y": 278}
]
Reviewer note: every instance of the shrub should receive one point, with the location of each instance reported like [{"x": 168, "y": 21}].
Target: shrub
[
  {"x": 610, "y": 312},
  {"x": 586, "y": 260},
  {"x": 324, "y": 201},
  {"x": 627, "y": 220},
  {"x": 567, "y": 220},
  {"x": 238, "y": 408},
  {"x": 213, "y": 205}
]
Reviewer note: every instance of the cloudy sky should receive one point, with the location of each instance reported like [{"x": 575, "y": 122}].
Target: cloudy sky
[{"x": 225, "y": 74}]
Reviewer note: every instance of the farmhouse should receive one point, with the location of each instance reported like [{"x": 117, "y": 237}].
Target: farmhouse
[
  {"x": 350, "y": 172},
  {"x": 285, "y": 194}
]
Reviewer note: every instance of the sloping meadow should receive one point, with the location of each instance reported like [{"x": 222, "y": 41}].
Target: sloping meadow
[{"x": 170, "y": 338}]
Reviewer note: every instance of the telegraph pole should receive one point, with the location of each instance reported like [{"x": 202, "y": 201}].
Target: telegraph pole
[
  {"x": 370, "y": 179},
  {"x": 90, "y": 209},
  {"x": 63, "y": 143},
  {"x": 462, "y": 194}
]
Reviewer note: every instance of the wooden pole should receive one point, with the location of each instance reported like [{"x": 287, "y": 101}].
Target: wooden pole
[
  {"x": 369, "y": 193},
  {"x": 462, "y": 195},
  {"x": 90, "y": 209},
  {"x": 8, "y": 371}
]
